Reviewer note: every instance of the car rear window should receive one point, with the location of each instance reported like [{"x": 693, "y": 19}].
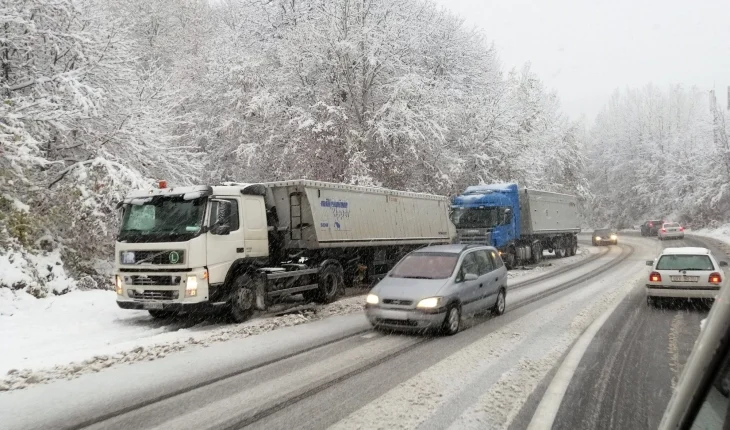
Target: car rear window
[
  {"x": 671, "y": 224},
  {"x": 424, "y": 265},
  {"x": 685, "y": 262}
]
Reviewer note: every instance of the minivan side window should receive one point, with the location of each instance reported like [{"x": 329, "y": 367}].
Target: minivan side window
[
  {"x": 469, "y": 265},
  {"x": 485, "y": 264},
  {"x": 496, "y": 259}
]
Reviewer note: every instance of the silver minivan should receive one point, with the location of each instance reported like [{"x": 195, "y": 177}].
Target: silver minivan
[{"x": 432, "y": 288}]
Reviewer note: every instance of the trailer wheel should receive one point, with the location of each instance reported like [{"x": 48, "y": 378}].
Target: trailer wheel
[
  {"x": 243, "y": 300},
  {"x": 574, "y": 247},
  {"x": 331, "y": 280},
  {"x": 561, "y": 249}
]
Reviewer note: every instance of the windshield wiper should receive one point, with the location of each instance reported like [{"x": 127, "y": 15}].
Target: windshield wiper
[{"x": 416, "y": 277}]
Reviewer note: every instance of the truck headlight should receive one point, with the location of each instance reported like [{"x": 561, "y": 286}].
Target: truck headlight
[
  {"x": 118, "y": 285},
  {"x": 191, "y": 286},
  {"x": 429, "y": 303},
  {"x": 372, "y": 299}
]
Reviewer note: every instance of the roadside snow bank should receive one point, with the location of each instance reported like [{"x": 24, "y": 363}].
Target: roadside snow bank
[{"x": 84, "y": 331}]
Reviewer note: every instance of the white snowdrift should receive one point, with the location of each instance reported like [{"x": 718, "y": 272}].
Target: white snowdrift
[{"x": 84, "y": 331}]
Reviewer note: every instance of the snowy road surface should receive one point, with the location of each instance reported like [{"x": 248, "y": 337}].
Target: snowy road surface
[
  {"x": 338, "y": 373},
  {"x": 626, "y": 377}
]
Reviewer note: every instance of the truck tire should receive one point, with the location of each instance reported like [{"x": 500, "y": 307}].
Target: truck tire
[
  {"x": 243, "y": 299},
  {"x": 561, "y": 248},
  {"x": 574, "y": 247},
  {"x": 331, "y": 280},
  {"x": 536, "y": 252},
  {"x": 510, "y": 258}
]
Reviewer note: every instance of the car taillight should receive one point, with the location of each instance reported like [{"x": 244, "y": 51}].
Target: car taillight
[
  {"x": 651, "y": 224},
  {"x": 655, "y": 277},
  {"x": 681, "y": 228},
  {"x": 664, "y": 230},
  {"x": 715, "y": 278}
]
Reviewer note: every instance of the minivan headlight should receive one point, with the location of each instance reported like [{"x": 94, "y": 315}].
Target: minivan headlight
[
  {"x": 430, "y": 303},
  {"x": 372, "y": 299}
]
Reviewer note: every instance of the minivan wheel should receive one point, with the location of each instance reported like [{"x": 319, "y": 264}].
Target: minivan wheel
[
  {"x": 452, "y": 322},
  {"x": 501, "y": 303}
]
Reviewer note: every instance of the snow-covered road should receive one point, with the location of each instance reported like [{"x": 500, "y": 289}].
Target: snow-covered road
[
  {"x": 452, "y": 381},
  {"x": 61, "y": 337}
]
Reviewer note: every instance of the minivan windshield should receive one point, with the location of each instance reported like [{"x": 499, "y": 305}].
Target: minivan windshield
[
  {"x": 685, "y": 262},
  {"x": 425, "y": 265}
]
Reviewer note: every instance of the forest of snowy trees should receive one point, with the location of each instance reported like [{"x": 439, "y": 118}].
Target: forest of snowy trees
[
  {"x": 100, "y": 96},
  {"x": 659, "y": 153}
]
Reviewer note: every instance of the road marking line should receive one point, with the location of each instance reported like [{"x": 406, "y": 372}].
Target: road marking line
[{"x": 547, "y": 410}]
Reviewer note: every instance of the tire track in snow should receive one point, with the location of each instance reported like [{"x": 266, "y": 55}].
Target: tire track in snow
[{"x": 673, "y": 346}]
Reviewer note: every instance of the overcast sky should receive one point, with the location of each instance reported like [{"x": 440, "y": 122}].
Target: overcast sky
[{"x": 585, "y": 49}]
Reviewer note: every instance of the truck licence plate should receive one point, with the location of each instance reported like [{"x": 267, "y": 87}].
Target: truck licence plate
[
  {"x": 684, "y": 278},
  {"x": 152, "y": 305}
]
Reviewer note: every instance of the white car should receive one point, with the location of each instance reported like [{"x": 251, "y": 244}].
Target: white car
[
  {"x": 670, "y": 230},
  {"x": 691, "y": 273}
]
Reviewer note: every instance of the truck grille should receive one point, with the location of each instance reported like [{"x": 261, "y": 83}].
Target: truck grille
[
  {"x": 152, "y": 280},
  {"x": 475, "y": 240},
  {"x": 154, "y": 295},
  {"x": 172, "y": 256}
]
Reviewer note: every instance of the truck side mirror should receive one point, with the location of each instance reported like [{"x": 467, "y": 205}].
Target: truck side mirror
[
  {"x": 507, "y": 216},
  {"x": 222, "y": 224}
]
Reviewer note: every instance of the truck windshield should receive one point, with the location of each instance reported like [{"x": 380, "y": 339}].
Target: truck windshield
[
  {"x": 422, "y": 265},
  {"x": 477, "y": 217},
  {"x": 162, "y": 219}
]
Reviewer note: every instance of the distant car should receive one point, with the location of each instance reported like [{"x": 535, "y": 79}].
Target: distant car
[
  {"x": 670, "y": 230},
  {"x": 432, "y": 288},
  {"x": 701, "y": 397},
  {"x": 605, "y": 237},
  {"x": 690, "y": 273},
  {"x": 651, "y": 227}
]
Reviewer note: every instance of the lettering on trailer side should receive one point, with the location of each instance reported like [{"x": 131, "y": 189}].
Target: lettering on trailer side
[{"x": 336, "y": 213}]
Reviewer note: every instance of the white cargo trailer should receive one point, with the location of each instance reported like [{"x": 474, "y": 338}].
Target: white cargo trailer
[
  {"x": 243, "y": 246},
  {"x": 547, "y": 212}
]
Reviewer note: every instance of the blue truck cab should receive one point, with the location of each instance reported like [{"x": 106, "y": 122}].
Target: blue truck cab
[
  {"x": 521, "y": 223},
  {"x": 487, "y": 214}
]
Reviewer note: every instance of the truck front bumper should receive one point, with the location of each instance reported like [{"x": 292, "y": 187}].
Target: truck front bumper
[{"x": 171, "y": 307}]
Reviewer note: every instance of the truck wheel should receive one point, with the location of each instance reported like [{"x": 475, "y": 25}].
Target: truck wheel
[
  {"x": 574, "y": 247},
  {"x": 536, "y": 253},
  {"x": 330, "y": 283},
  {"x": 159, "y": 315},
  {"x": 510, "y": 259},
  {"x": 561, "y": 250},
  {"x": 244, "y": 298}
]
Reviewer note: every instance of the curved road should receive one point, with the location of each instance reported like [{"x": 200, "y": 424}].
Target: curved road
[{"x": 338, "y": 373}]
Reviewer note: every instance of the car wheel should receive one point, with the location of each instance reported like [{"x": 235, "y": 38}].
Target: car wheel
[
  {"x": 452, "y": 322},
  {"x": 501, "y": 303}
]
